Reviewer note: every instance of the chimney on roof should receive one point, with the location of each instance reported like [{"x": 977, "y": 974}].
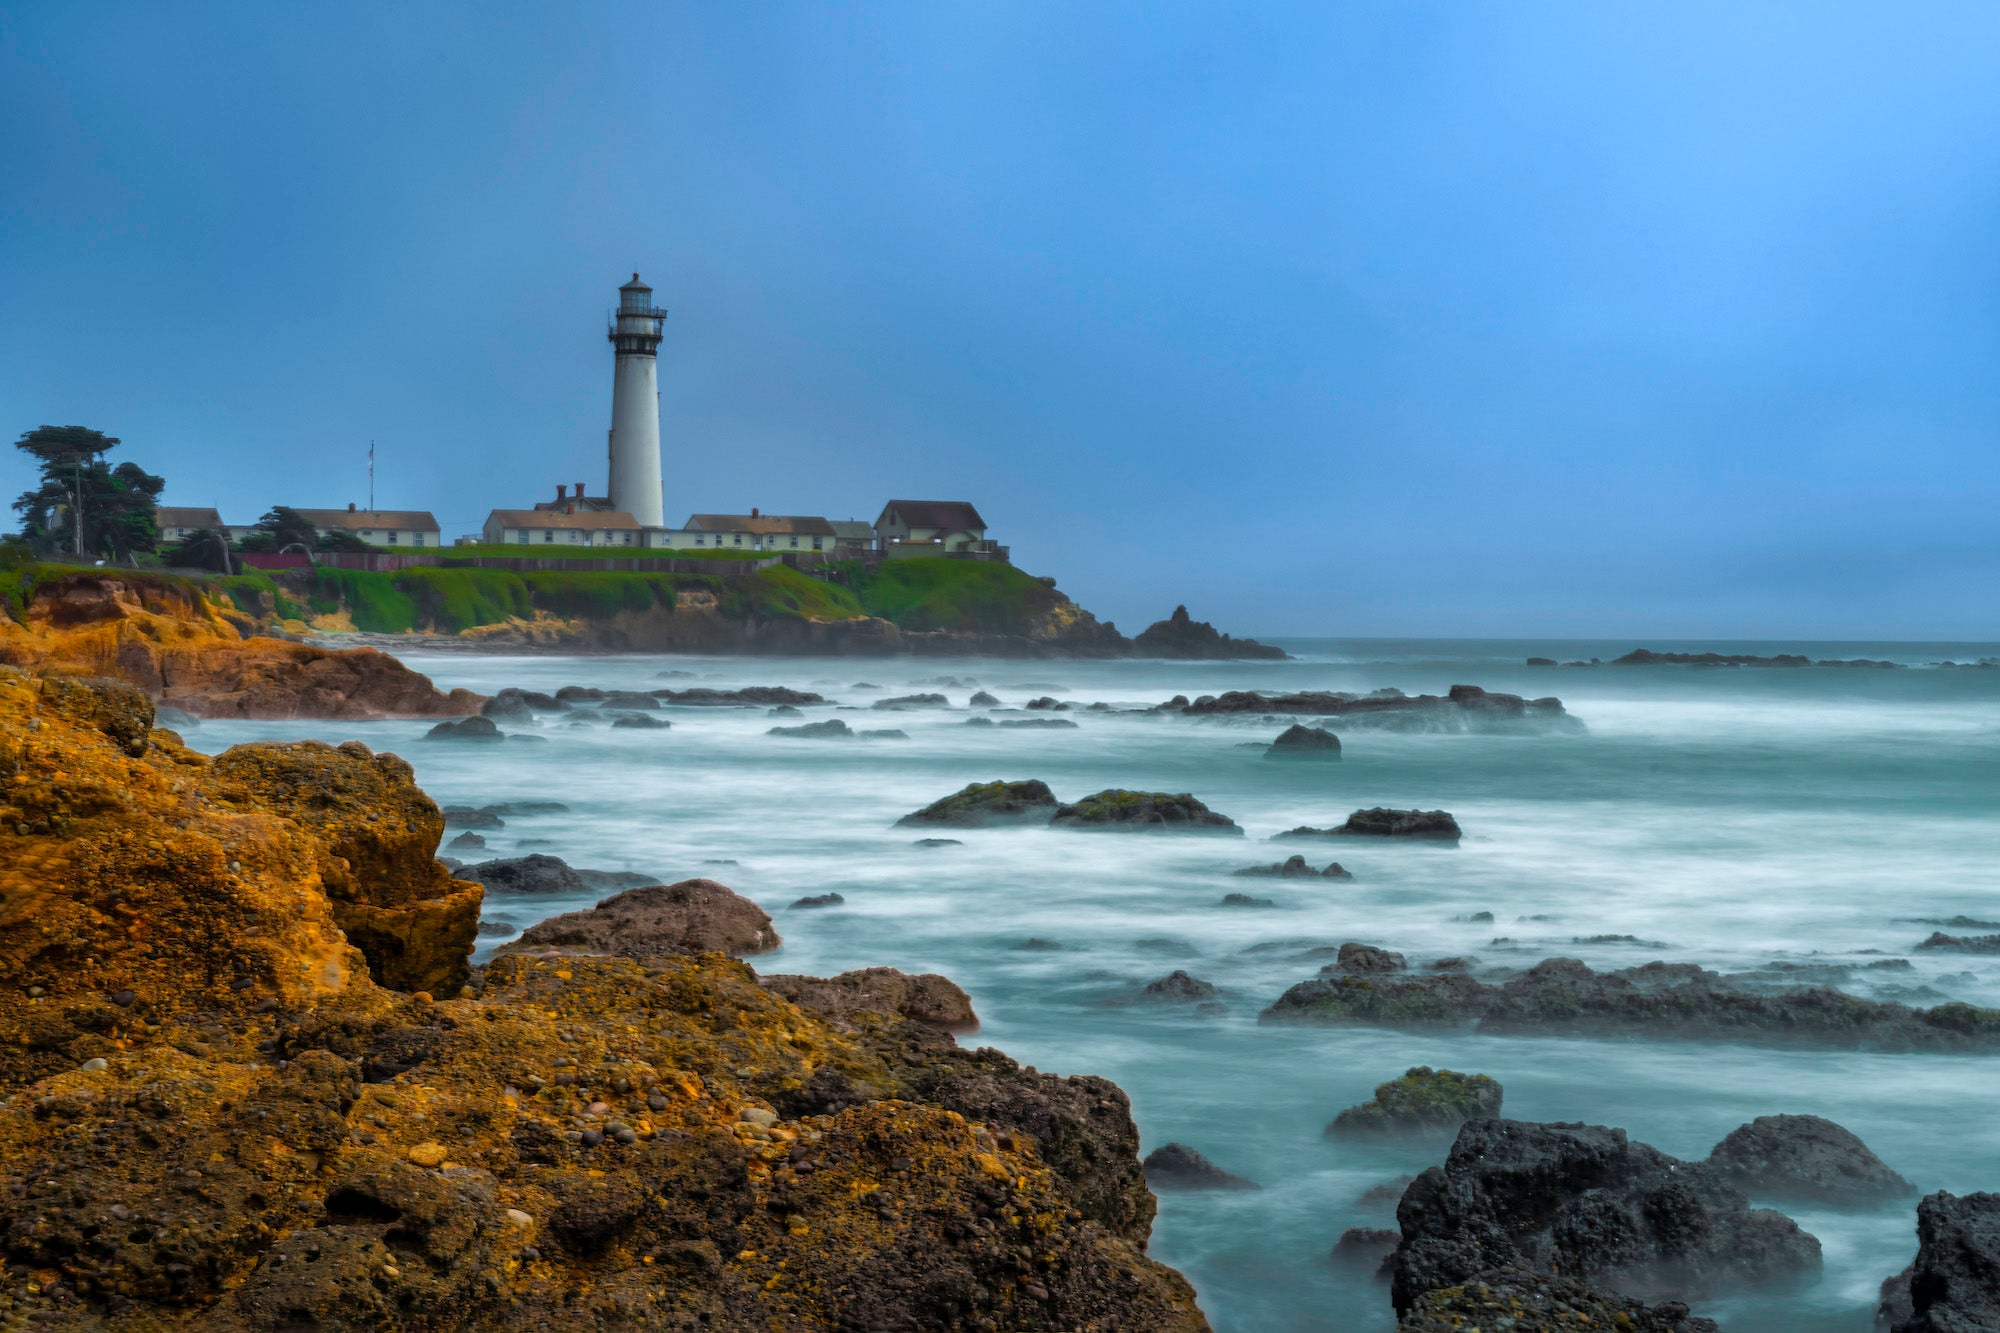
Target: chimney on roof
[
  {"x": 562, "y": 491},
  {"x": 753, "y": 512},
  {"x": 350, "y": 506},
  {"x": 579, "y": 490}
]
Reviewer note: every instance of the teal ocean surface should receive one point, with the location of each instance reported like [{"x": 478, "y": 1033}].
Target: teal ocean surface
[{"x": 1731, "y": 817}]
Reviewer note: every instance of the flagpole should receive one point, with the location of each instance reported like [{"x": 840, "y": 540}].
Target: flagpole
[{"x": 371, "y": 476}]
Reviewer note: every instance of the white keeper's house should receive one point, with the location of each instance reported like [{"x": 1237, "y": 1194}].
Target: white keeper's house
[
  {"x": 379, "y": 527},
  {"x": 932, "y": 527}
]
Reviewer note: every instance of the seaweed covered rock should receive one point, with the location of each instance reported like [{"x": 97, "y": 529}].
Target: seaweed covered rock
[
  {"x": 1584, "y": 1202},
  {"x": 986, "y": 804},
  {"x": 1142, "y": 811},
  {"x": 1299, "y": 741},
  {"x": 1422, "y": 1100},
  {"x": 1563, "y": 996},
  {"x": 1420, "y": 825},
  {"x": 693, "y": 916},
  {"x": 1954, "y": 1284},
  {"x": 1805, "y": 1158},
  {"x": 212, "y": 1116}
]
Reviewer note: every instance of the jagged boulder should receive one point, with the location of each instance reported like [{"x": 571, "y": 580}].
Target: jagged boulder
[
  {"x": 927, "y": 999},
  {"x": 987, "y": 804},
  {"x": 1584, "y": 1202},
  {"x": 693, "y": 916},
  {"x": 1136, "y": 811},
  {"x": 1182, "y": 637},
  {"x": 1365, "y": 960},
  {"x": 1805, "y": 1158},
  {"x": 1423, "y": 1100},
  {"x": 1954, "y": 1284},
  {"x": 1293, "y": 867},
  {"x": 1175, "y": 1166},
  {"x": 1177, "y": 987},
  {"x": 1417, "y": 825}
]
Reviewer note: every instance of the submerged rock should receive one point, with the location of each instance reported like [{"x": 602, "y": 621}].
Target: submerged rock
[
  {"x": 1563, "y": 996},
  {"x": 1584, "y": 1202},
  {"x": 1175, "y": 1166},
  {"x": 1356, "y": 959},
  {"x": 1117, "y": 809},
  {"x": 465, "y": 729},
  {"x": 541, "y": 873},
  {"x": 987, "y": 804},
  {"x": 1954, "y": 1285},
  {"x": 902, "y": 701},
  {"x": 693, "y": 916},
  {"x": 1178, "y": 987},
  {"x": 1244, "y": 900},
  {"x": 1302, "y": 742},
  {"x": 1962, "y": 943},
  {"x": 1419, "y": 825},
  {"x": 1466, "y": 708},
  {"x": 1365, "y": 1249},
  {"x": 640, "y": 722},
  {"x": 831, "y": 729},
  {"x": 820, "y": 900},
  {"x": 628, "y": 701},
  {"x": 509, "y": 809},
  {"x": 751, "y": 696},
  {"x": 1422, "y": 1100},
  {"x": 464, "y": 816},
  {"x": 1293, "y": 867},
  {"x": 1805, "y": 1158}
]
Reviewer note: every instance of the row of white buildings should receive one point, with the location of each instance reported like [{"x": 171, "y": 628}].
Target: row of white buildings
[{"x": 904, "y": 528}]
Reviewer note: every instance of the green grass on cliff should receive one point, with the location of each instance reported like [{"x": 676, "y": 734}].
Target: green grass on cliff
[{"x": 975, "y": 595}]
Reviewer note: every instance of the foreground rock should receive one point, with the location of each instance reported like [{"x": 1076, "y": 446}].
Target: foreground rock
[
  {"x": 927, "y": 999},
  {"x": 1954, "y": 1285},
  {"x": 1583, "y": 1202},
  {"x": 1184, "y": 638},
  {"x": 1562, "y": 996},
  {"x": 213, "y": 1116},
  {"x": 1513, "y": 1298},
  {"x": 1299, "y": 741},
  {"x": 1117, "y": 809},
  {"x": 1424, "y": 1100},
  {"x": 693, "y": 916},
  {"x": 1807, "y": 1159},
  {"x": 1467, "y": 708},
  {"x": 1175, "y": 1166},
  {"x": 988, "y": 804},
  {"x": 161, "y": 634}
]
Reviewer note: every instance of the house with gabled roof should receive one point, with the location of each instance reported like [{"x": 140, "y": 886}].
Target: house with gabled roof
[{"x": 934, "y": 527}]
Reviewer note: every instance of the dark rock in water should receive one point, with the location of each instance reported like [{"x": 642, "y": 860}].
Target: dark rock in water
[
  {"x": 937, "y": 842},
  {"x": 1466, "y": 708},
  {"x": 1962, "y": 943},
  {"x": 1304, "y": 831},
  {"x": 1184, "y": 638},
  {"x": 1514, "y": 1298},
  {"x": 1422, "y": 1100},
  {"x": 1585, "y": 1202},
  {"x": 978, "y": 722},
  {"x": 579, "y": 693},
  {"x": 864, "y": 685},
  {"x": 1541, "y": 661},
  {"x": 1178, "y": 987},
  {"x": 1046, "y": 704},
  {"x": 1032, "y": 723},
  {"x": 1478, "y": 918},
  {"x": 628, "y": 701},
  {"x": 1805, "y": 1158},
  {"x": 1302, "y": 742},
  {"x": 1464, "y": 963},
  {"x": 982, "y": 700},
  {"x": 1035, "y": 944},
  {"x": 1562, "y": 996},
  {"x": 1960, "y": 922},
  {"x": 927, "y": 999},
  {"x": 1618, "y": 939},
  {"x": 914, "y": 701},
  {"x": 1384, "y": 1195},
  {"x": 1244, "y": 900},
  {"x": 1954, "y": 1285},
  {"x": 1647, "y": 657},
  {"x": 831, "y": 729},
  {"x": 522, "y": 738},
  {"x": 497, "y": 925},
  {"x": 785, "y": 710},
  {"x": 1294, "y": 867},
  {"x": 539, "y": 873},
  {"x": 521, "y": 808},
  {"x": 1119, "y": 810},
  {"x": 1166, "y": 948},
  {"x": 640, "y": 722},
  {"x": 464, "y": 816},
  {"x": 465, "y": 729},
  {"x": 888, "y": 734},
  {"x": 820, "y": 900},
  {"x": 532, "y": 700},
  {"x": 507, "y": 708},
  {"x": 693, "y": 916},
  {"x": 1422, "y": 825},
  {"x": 470, "y": 842},
  {"x": 986, "y": 804},
  {"x": 1364, "y": 960},
  {"x": 752, "y": 696},
  {"x": 1365, "y": 1248},
  {"x": 1175, "y": 1166}
]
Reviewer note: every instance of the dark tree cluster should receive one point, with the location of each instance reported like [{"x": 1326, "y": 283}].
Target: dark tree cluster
[{"x": 84, "y": 507}]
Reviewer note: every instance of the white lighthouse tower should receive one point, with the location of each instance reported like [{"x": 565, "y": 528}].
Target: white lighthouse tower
[{"x": 635, "y": 406}]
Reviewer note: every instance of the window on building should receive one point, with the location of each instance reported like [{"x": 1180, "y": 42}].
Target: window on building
[
  {"x": 523, "y": 536},
  {"x": 739, "y": 539},
  {"x": 815, "y": 543},
  {"x": 392, "y": 539},
  {"x": 628, "y": 539},
  {"x": 416, "y": 539},
  {"x": 548, "y": 534}
]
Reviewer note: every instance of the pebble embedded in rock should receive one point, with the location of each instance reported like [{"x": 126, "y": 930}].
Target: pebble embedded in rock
[
  {"x": 96, "y": 1063},
  {"x": 428, "y": 1153},
  {"x": 758, "y": 1116},
  {"x": 592, "y": 1137}
]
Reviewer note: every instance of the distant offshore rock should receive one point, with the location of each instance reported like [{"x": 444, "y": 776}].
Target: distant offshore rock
[
  {"x": 1647, "y": 657},
  {"x": 1299, "y": 741},
  {"x": 1184, "y": 638},
  {"x": 986, "y": 804},
  {"x": 1417, "y": 825},
  {"x": 1466, "y": 708}
]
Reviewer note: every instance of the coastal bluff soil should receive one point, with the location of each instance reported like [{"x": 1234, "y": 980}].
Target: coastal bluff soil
[
  {"x": 164, "y": 636},
  {"x": 215, "y": 1115}
]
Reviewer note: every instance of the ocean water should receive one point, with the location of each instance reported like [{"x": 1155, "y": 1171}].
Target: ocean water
[{"x": 1727, "y": 817}]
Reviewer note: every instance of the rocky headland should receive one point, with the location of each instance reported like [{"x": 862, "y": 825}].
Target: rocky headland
[{"x": 251, "y": 1081}]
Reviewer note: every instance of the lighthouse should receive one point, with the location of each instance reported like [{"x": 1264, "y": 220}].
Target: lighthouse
[{"x": 635, "y": 406}]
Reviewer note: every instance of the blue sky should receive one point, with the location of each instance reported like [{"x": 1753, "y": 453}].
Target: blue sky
[{"x": 1453, "y": 318}]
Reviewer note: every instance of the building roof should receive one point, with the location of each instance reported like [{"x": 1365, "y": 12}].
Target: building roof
[
  {"x": 635, "y": 283},
  {"x": 171, "y": 516},
  {"x": 594, "y": 521},
  {"x": 852, "y": 529},
  {"x": 763, "y": 525},
  {"x": 399, "y": 520},
  {"x": 946, "y": 515}
]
